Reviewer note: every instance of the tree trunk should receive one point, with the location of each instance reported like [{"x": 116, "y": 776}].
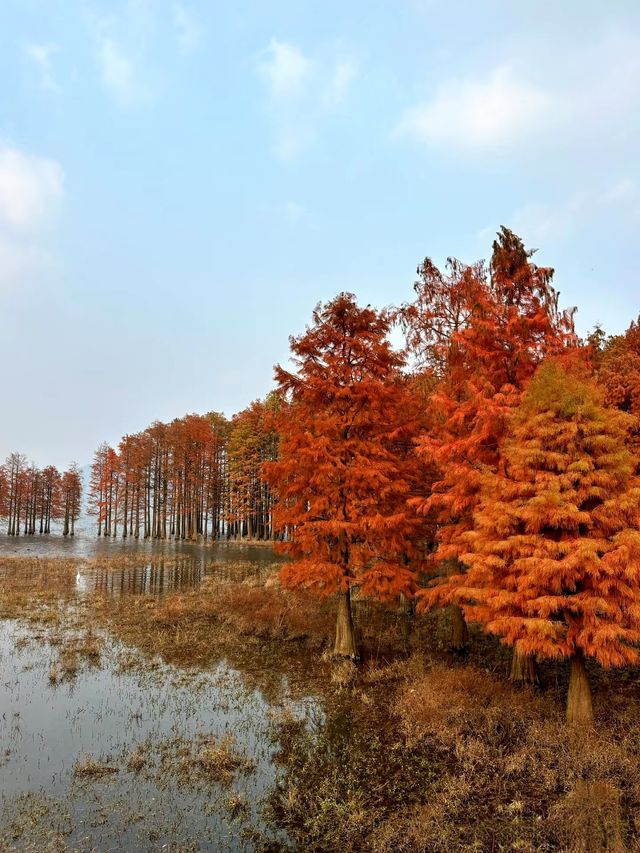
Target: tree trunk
[
  {"x": 523, "y": 669},
  {"x": 459, "y": 630},
  {"x": 345, "y": 644},
  {"x": 579, "y": 708},
  {"x": 408, "y": 610}
]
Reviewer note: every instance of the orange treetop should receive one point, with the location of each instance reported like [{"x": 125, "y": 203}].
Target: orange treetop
[
  {"x": 345, "y": 465},
  {"x": 483, "y": 335}
]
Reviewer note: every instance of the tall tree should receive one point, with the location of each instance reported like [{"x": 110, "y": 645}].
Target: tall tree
[
  {"x": 554, "y": 555},
  {"x": 481, "y": 333},
  {"x": 341, "y": 484},
  {"x": 71, "y": 499}
]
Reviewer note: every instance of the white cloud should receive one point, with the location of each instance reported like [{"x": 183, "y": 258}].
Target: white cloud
[
  {"x": 478, "y": 112},
  {"x": 302, "y": 93},
  {"x": 189, "y": 34},
  {"x": 539, "y": 222},
  {"x": 31, "y": 189},
  {"x": 294, "y": 211},
  {"x": 40, "y": 55},
  {"x": 585, "y": 97},
  {"x": 285, "y": 69},
  {"x": 117, "y": 71}
]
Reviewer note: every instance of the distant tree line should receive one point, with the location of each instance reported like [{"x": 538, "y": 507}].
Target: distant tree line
[
  {"x": 31, "y": 498},
  {"x": 197, "y": 477}
]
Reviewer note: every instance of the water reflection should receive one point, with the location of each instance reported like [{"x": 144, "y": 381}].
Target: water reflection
[
  {"x": 117, "y": 567},
  {"x": 86, "y": 545}
]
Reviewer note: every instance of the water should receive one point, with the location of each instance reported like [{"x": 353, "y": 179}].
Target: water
[
  {"x": 159, "y": 566},
  {"x": 86, "y": 545},
  {"x": 141, "y": 719}
]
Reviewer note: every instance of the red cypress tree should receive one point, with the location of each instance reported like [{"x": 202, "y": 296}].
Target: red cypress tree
[
  {"x": 554, "y": 556},
  {"x": 482, "y": 333},
  {"x": 341, "y": 482}
]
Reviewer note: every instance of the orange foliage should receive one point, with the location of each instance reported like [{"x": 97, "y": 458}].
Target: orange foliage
[
  {"x": 345, "y": 465},
  {"x": 618, "y": 371},
  {"x": 482, "y": 336},
  {"x": 554, "y": 559}
]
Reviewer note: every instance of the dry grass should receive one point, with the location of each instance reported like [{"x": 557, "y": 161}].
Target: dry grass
[
  {"x": 31, "y": 587},
  {"x": 419, "y": 751},
  {"x": 515, "y": 778},
  {"x": 94, "y": 768},
  {"x": 74, "y": 653},
  {"x": 216, "y": 759}
]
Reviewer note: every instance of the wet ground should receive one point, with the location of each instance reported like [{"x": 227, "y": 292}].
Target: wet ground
[{"x": 102, "y": 749}]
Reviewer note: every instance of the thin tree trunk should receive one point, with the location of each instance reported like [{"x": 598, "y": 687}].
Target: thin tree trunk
[
  {"x": 579, "y": 707},
  {"x": 345, "y": 644},
  {"x": 459, "y": 630},
  {"x": 523, "y": 669},
  {"x": 408, "y": 610}
]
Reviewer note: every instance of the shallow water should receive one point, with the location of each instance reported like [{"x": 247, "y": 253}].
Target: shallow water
[
  {"x": 124, "y": 705},
  {"x": 86, "y": 544},
  {"x": 160, "y": 566}
]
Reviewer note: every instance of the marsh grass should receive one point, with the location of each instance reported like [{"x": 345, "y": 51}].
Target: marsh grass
[
  {"x": 416, "y": 750},
  {"x": 94, "y": 768},
  {"x": 74, "y": 654}
]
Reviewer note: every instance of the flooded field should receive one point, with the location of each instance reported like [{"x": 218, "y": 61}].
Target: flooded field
[
  {"x": 157, "y": 698},
  {"x": 103, "y": 748},
  {"x": 138, "y": 566},
  {"x": 107, "y": 757}
]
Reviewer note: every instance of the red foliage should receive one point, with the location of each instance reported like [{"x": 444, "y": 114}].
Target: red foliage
[
  {"x": 482, "y": 334},
  {"x": 345, "y": 466}
]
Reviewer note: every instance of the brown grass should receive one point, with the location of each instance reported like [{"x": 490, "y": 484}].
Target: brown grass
[
  {"x": 420, "y": 750},
  {"x": 94, "y": 768},
  {"x": 515, "y": 776},
  {"x": 31, "y": 587}
]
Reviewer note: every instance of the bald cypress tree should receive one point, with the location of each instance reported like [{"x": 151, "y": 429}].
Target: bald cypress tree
[{"x": 554, "y": 555}]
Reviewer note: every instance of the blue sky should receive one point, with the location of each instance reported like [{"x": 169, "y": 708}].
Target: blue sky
[{"x": 180, "y": 183}]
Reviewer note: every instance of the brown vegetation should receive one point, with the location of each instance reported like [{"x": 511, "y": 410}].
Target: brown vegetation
[{"x": 418, "y": 751}]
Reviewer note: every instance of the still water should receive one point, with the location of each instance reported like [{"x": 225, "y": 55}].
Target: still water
[
  {"x": 148, "y": 729},
  {"x": 160, "y": 566}
]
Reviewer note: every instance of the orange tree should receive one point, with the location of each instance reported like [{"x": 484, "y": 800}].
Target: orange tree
[
  {"x": 481, "y": 333},
  {"x": 617, "y": 365},
  {"x": 554, "y": 556},
  {"x": 343, "y": 474}
]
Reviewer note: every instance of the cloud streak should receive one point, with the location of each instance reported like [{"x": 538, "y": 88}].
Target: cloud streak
[
  {"x": 285, "y": 70},
  {"x": 189, "y": 33},
  {"x": 31, "y": 190},
  {"x": 117, "y": 71},
  {"x": 302, "y": 93}
]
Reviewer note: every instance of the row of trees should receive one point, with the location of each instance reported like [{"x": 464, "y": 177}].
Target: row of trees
[
  {"x": 197, "y": 477},
  {"x": 32, "y": 498},
  {"x": 491, "y": 467}
]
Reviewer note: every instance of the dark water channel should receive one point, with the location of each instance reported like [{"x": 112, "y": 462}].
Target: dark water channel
[{"x": 148, "y": 729}]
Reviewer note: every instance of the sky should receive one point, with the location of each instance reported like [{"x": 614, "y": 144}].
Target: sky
[{"x": 182, "y": 181}]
